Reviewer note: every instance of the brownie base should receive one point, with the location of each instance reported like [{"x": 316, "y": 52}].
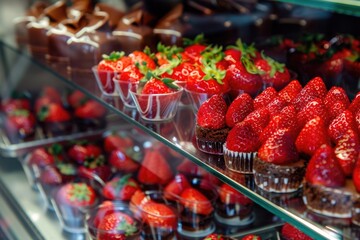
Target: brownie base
[
  {"x": 211, "y": 140},
  {"x": 332, "y": 202},
  {"x": 278, "y": 178}
]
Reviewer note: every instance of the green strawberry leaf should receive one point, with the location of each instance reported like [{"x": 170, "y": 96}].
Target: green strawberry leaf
[
  {"x": 113, "y": 56},
  {"x": 170, "y": 83},
  {"x": 249, "y": 65},
  {"x": 212, "y": 72},
  {"x": 199, "y": 39}
]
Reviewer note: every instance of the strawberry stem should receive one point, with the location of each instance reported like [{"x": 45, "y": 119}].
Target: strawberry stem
[
  {"x": 199, "y": 39},
  {"x": 113, "y": 56}
]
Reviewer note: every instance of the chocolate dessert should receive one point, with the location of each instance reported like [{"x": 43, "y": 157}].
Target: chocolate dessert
[
  {"x": 211, "y": 140},
  {"x": 278, "y": 178},
  {"x": 334, "y": 202}
]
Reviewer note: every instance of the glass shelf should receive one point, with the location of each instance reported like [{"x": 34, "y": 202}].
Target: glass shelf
[
  {"x": 349, "y": 7},
  {"x": 178, "y": 135}
]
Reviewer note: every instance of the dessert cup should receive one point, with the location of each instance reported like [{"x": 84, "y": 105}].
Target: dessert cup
[
  {"x": 211, "y": 140},
  {"x": 159, "y": 215},
  {"x": 118, "y": 212},
  {"x": 104, "y": 80},
  {"x": 239, "y": 161},
  {"x": 196, "y": 217},
  {"x": 156, "y": 107},
  {"x": 122, "y": 89}
]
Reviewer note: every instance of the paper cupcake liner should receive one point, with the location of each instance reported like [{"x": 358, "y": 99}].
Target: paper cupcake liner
[
  {"x": 239, "y": 161},
  {"x": 271, "y": 183},
  {"x": 211, "y": 147}
]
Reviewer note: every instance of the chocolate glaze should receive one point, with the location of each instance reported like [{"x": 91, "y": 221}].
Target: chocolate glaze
[{"x": 115, "y": 14}]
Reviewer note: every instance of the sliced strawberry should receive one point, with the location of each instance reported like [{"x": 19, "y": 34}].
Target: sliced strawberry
[
  {"x": 154, "y": 169},
  {"x": 290, "y": 91},
  {"x": 159, "y": 215},
  {"x": 324, "y": 169},
  {"x": 311, "y": 110},
  {"x": 229, "y": 195},
  {"x": 312, "y": 136},
  {"x": 122, "y": 162},
  {"x": 176, "y": 186},
  {"x": 279, "y": 148},
  {"x": 212, "y": 112},
  {"x": 242, "y": 138},
  {"x": 315, "y": 88},
  {"x": 116, "y": 226},
  {"x": 117, "y": 142},
  {"x": 120, "y": 188},
  {"x": 239, "y": 109},
  {"x": 265, "y": 97},
  {"x": 195, "y": 201},
  {"x": 290, "y": 232},
  {"x": 336, "y": 94},
  {"x": 341, "y": 124},
  {"x": 258, "y": 119},
  {"x": 347, "y": 150}
]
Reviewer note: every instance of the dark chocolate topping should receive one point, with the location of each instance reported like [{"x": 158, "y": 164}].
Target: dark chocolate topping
[
  {"x": 56, "y": 12},
  {"x": 115, "y": 14}
]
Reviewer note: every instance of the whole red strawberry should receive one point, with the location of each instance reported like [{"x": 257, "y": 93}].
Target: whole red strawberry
[
  {"x": 194, "y": 48},
  {"x": 159, "y": 215},
  {"x": 117, "y": 226},
  {"x": 80, "y": 152},
  {"x": 53, "y": 113},
  {"x": 77, "y": 195},
  {"x": 11, "y": 104},
  {"x": 122, "y": 162},
  {"x": 279, "y": 148},
  {"x": 229, "y": 195},
  {"x": 242, "y": 138},
  {"x": 20, "y": 123},
  {"x": 120, "y": 188},
  {"x": 336, "y": 94},
  {"x": 176, "y": 186},
  {"x": 341, "y": 124},
  {"x": 290, "y": 91},
  {"x": 251, "y": 237},
  {"x": 258, "y": 119},
  {"x": 195, "y": 201},
  {"x": 265, "y": 97},
  {"x": 289, "y": 232},
  {"x": 324, "y": 169},
  {"x": 312, "y": 136},
  {"x": 311, "y": 110},
  {"x": 90, "y": 109},
  {"x": 212, "y": 113},
  {"x": 114, "y": 142},
  {"x": 239, "y": 109}
]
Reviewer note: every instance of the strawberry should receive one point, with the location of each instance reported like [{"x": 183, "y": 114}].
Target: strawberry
[
  {"x": 276, "y": 105},
  {"x": 46, "y": 156},
  {"x": 334, "y": 95},
  {"x": 252, "y": 237},
  {"x": 229, "y": 195},
  {"x": 139, "y": 198},
  {"x": 165, "y": 54},
  {"x": 214, "y": 236},
  {"x": 154, "y": 169},
  {"x": 194, "y": 48},
  {"x": 285, "y": 119},
  {"x": 76, "y": 99},
  {"x": 312, "y": 109},
  {"x": 195, "y": 201},
  {"x": 290, "y": 91},
  {"x": 239, "y": 109},
  {"x": 279, "y": 148},
  {"x": 111, "y": 62},
  {"x": 116, "y": 142},
  {"x": 142, "y": 58},
  {"x": 265, "y": 97},
  {"x": 244, "y": 77},
  {"x": 289, "y": 232},
  {"x": 242, "y": 138},
  {"x": 347, "y": 150},
  {"x": 315, "y": 88},
  {"x": 120, "y": 188},
  {"x": 355, "y": 104},
  {"x": 94, "y": 167},
  {"x": 52, "y": 93},
  {"x": 80, "y": 152},
  {"x": 324, "y": 169},
  {"x": 11, "y": 104},
  {"x": 53, "y": 113},
  {"x": 273, "y": 73},
  {"x": 158, "y": 215},
  {"x": 20, "y": 123},
  {"x": 176, "y": 186},
  {"x": 212, "y": 113},
  {"x": 341, "y": 124},
  {"x": 258, "y": 119},
  {"x": 50, "y": 175},
  {"x": 234, "y": 53},
  {"x": 122, "y": 162},
  {"x": 90, "y": 109},
  {"x": 312, "y": 136},
  {"x": 181, "y": 72},
  {"x": 77, "y": 194},
  {"x": 335, "y": 110},
  {"x": 117, "y": 226},
  {"x": 356, "y": 176}
]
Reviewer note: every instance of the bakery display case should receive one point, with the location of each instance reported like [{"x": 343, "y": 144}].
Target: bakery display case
[{"x": 30, "y": 208}]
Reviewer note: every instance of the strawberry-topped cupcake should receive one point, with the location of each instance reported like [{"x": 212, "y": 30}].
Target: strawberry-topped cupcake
[
  {"x": 211, "y": 129},
  {"x": 277, "y": 167}
]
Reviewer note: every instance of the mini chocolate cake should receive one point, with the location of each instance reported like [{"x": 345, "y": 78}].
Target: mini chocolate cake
[
  {"x": 278, "y": 178},
  {"x": 333, "y": 202},
  {"x": 211, "y": 140}
]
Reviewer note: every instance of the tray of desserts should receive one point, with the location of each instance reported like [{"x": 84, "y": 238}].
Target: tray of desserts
[{"x": 30, "y": 120}]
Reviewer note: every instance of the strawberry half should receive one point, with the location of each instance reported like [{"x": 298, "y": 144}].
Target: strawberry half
[
  {"x": 312, "y": 136},
  {"x": 239, "y": 109},
  {"x": 324, "y": 169}
]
